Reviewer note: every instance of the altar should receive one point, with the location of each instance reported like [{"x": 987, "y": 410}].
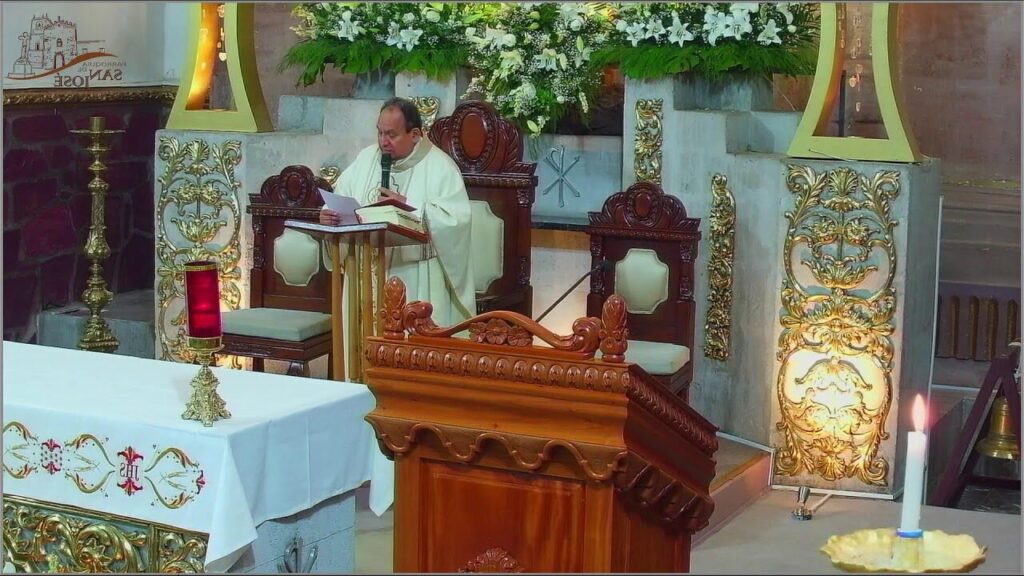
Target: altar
[{"x": 96, "y": 456}]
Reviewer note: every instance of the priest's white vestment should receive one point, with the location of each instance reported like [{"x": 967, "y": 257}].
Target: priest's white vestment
[{"x": 440, "y": 273}]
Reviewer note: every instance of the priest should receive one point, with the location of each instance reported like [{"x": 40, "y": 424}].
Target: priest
[{"x": 426, "y": 178}]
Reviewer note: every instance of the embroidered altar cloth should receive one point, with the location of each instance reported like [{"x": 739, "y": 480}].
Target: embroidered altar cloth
[{"x": 104, "y": 433}]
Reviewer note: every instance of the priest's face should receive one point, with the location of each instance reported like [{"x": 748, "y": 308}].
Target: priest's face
[{"x": 392, "y": 137}]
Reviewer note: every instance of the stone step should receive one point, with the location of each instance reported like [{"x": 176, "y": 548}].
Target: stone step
[
  {"x": 130, "y": 316},
  {"x": 742, "y": 474}
]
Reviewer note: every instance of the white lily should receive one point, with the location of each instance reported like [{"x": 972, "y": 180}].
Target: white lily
[
  {"x": 655, "y": 29},
  {"x": 547, "y": 60},
  {"x": 716, "y": 25},
  {"x": 499, "y": 38},
  {"x": 770, "y": 34},
  {"x": 677, "y": 32},
  {"x": 394, "y": 34},
  {"x": 739, "y": 25},
  {"x": 347, "y": 28},
  {"x": 511, "y": 61},
  {"x": 569, "y": 10},
  {"x": 582, "y": 57},
  {"x": 635, "y": 33},
  {"x": 409, "y": 38}
]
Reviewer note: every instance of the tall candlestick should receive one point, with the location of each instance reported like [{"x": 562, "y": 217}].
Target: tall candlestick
[{"x": 913, "y": 480}]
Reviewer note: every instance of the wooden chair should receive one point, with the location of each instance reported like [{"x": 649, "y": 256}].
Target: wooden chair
[
  {"x": 489, "y": 151},
  {"x": 288, "y": 318},
  {"x": 652, "y": 244}
]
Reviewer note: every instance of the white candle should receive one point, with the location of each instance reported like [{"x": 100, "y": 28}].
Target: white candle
[{"x": 913, "y": 480}]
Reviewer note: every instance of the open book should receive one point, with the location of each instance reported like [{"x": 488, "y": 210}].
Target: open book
[{"x": 388, "y": 210}]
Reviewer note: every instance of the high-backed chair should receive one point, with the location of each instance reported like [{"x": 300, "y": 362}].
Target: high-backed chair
[
  {"x": 652, "y": 246},
  {"x": 489, "y": 151},
  {"x": 288, "y": 317}
]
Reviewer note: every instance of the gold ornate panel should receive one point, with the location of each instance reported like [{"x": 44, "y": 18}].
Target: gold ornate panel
[
  {"x": 834, "y": 384},
  {"x": 47, "y": 537},
  {"x": 427, "y": 105},
  {"x": 718, "y": 322},
  {"x": 199, "y": 217},
  {"x": 647, "y": 141}
]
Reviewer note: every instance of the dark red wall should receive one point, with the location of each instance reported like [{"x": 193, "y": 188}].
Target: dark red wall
[{"x": 47, "y": 205}]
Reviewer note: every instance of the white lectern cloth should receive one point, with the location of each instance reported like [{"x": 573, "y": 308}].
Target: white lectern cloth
[{"x": 105, "y": 433}]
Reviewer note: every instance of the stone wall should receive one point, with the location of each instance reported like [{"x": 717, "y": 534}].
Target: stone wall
[{"x": 47, "y": 205}]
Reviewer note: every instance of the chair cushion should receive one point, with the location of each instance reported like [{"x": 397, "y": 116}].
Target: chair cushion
[
  {"x": 488, "y": 235},
  {"x": 656, "y": 358},
  {"x": 641, "y": 278},
  {"x": 291, "y": 325}
]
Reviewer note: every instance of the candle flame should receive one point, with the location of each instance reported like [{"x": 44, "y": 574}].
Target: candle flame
[{"x": 920, "y": 414}]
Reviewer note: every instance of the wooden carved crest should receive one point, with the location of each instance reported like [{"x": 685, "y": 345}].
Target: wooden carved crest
[
  {"x": 492, "y": 560},
  {"x": 613, "y": 329},
  {"x": 645, "y": 205},
  {"x": 480, "y": 141},
  {"x": 391, "y": 311},
  {"x": 295, "y": 187},
  {"x": 499, "y": 331}
]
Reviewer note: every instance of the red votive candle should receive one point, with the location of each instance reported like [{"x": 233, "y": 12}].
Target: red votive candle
[{"x": 202, "y": 298}]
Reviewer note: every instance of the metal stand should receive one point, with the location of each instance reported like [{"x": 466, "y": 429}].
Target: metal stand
[{"x": 959, "y": 471}]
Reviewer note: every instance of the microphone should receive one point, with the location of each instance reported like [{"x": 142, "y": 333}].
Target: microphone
[
  {"x": 600, "y": 267},
  {"x": 385, "y": 171}
]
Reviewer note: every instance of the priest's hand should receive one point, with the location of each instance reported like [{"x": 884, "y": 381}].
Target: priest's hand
[
  {"x": 385, "y": 194},
  {"x": 329, "y": 217}
]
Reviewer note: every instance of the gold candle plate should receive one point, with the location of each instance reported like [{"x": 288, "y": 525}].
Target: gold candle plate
[{"x": 881, "y": 550}]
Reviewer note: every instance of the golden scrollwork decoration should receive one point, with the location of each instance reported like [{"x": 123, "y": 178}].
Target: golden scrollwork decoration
[
  {"x": 647, "y": 141},
  {"x": 46, "y": 537},
  {"x": 834, "y": 384},
  {"x": 428, "y": 106},
  {"x": 51, "y": 97},
  {"x": 331, "y": 174},
  {"x": 199, "y": 217},
  {"x": 180, "y": 552},
  {"x": 718, "y": 322}
]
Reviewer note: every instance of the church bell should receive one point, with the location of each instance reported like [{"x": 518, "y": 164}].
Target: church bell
[{"x": 1001, "y": 440}]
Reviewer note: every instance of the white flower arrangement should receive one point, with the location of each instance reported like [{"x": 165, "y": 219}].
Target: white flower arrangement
[
  {"x": 532, "y": 60},
  {"x": 536, "y": 60},
  {"x": 662, "y": 38},
  {"x": 365, "y": 36}
]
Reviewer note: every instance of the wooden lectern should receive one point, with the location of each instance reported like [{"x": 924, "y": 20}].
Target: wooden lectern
[
  {"x": 512, "y": 457},
  {"x": 367, "y": 243}
]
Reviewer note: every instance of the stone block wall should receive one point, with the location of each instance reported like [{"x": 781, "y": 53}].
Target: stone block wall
[{"x": 47, "y": 205}]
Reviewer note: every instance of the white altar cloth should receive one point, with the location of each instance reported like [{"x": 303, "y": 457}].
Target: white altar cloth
[{"x": 104, "y": 433}]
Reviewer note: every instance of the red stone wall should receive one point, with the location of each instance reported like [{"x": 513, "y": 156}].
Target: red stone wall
[{"x": 47, "y": 205}]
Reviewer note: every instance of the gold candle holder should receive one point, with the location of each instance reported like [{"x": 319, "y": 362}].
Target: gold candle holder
[
  {"x": 98, "y": 337},
  {"x": 205, "y": 404},
  {"x": 884, "y": 550}
]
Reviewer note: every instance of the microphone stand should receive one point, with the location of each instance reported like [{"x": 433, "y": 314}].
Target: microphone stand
[{"x": 601, "y": 266}]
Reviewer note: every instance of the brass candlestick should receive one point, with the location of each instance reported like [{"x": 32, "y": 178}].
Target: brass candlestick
[
  {"x": 98, "y": 337},
  {"x": 205, "y": 404}
]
